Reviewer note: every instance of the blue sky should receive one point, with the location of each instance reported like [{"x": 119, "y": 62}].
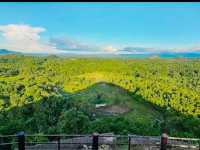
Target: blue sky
[{"x": 100, "y": 27}]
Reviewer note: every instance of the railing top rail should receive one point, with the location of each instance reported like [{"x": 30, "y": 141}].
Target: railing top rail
[
  {"x": 135, "y": 135},
  {"x": 100, "y": 135},
  {"x": 184, "y": 139},
  {"x": 57, "y": 135},
  {"x": 8, "y": 143},
  {"x": 64, "y": 135},
  {"x": 12, "y": 135},
  {"x": 68, "y": 135}
]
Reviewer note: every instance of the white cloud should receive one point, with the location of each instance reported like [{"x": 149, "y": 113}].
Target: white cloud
[
  {"x": 110, "y": 48},
  {"x": 24, "y": 38}
]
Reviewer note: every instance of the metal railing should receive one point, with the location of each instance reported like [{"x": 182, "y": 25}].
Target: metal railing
[{"x": 21, "y": 141}]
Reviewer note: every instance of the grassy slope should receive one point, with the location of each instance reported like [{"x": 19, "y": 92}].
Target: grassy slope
[{"x": 113, "y": 94}]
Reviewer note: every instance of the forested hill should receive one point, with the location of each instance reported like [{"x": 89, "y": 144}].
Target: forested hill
[{"x": 159, "y": 87}]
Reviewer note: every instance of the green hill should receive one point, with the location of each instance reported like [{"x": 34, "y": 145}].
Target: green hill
[
  {"x": 116, "y": 97},
  {"x": 123, "y": 112}
]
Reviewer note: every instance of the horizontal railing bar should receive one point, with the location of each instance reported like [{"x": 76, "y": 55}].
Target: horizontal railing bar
[
  {"x": 53, "y": 143},
  {"x": 89, "y": 135},
  {"x": 2, "y": 136},
  {"x": 41, "y": 142},
  {"x": 8, "y": 143},
  {"x": 134, "y": 135},
  {"x": 53, "y": 135},
  {"x": 184, "y": 139},
  {"x": 68, "y": 135},
  {"x": 58, "y": 135},
  {"x": 185, "y": 146},
  {"x": 74, "y": 143}
]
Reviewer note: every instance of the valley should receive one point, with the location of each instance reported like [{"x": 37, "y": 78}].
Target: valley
[{"x": 52, "y": 94}]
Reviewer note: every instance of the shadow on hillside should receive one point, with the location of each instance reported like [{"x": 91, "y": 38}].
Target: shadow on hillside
[
  {"x": 43, "y": 116},
  {"x": 134, "y": 95}
]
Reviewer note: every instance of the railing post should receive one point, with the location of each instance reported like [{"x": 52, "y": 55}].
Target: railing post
[
  {"x": 129, "y": 142},
  {"x": 95, "y": 141},
  {"x": 58, "y": 138},
  {"x": 199, "y": 144},
  {"x": 21, "y": 140},
  {"x": 164, "y": 140}
]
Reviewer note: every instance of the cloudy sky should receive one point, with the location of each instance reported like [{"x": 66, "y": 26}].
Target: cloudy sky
[{"x": 86, "y": 28}]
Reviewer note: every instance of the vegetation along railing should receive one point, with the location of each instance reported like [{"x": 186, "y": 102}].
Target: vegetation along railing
[{"x": 96, "y": 141}]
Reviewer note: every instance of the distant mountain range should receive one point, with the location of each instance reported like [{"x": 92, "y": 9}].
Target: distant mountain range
[
  {"x": 147, "y": 55},
  {"x": 164, "y": 55},
  {"x": 5, "y": 51}
]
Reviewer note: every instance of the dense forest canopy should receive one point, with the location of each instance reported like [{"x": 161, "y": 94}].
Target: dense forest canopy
[{"x": 43, "y": 94}]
